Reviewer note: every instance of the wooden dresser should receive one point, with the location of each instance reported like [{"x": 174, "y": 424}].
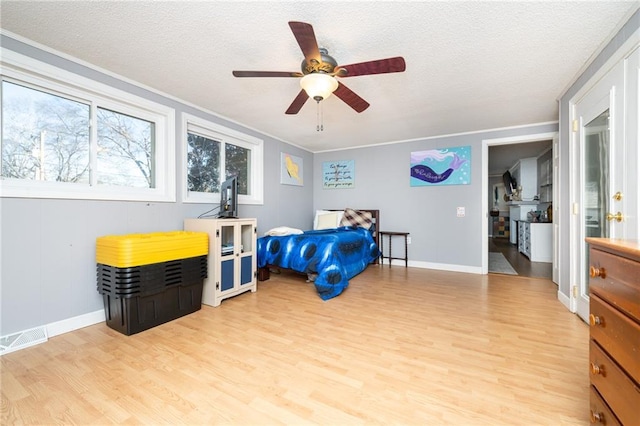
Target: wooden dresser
[{"x": 614, "y": 347}]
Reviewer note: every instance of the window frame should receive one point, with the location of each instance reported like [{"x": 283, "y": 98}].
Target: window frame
[
  {"x": 224, "y": 135},
  {"x": 31, "y": 73}
]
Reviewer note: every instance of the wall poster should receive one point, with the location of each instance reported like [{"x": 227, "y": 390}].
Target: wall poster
[
  {"x": 448, "y": 166},
  {"x": 291, "y": 171},
  {"x": 338, "y": 174}
]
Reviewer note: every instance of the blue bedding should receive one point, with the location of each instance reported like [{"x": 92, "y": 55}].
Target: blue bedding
[{"x": 335, "y": 255}]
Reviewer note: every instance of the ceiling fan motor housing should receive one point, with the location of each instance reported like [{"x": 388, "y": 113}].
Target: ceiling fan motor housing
[{"x": 327, "y": 64}]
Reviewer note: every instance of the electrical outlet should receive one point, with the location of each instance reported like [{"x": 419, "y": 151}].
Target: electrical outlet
[{"x": 408, "y": 240}]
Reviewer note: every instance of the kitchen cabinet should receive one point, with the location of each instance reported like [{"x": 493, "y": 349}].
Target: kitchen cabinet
[
  {"x": 535, "y": 240},
  {"x": 525, "y": 172}
]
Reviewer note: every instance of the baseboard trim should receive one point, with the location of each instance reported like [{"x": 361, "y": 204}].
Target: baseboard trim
[
  {"x": 438, "y": 266},
  {"x": 34, "y": 336},
  {"x": 75, "y": 323},
  {"x": 565, "y": 300}
]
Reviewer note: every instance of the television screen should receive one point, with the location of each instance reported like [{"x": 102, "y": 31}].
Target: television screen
[
  {"x": 509, "y": 183},
  {"x": 229, "y": 198}
]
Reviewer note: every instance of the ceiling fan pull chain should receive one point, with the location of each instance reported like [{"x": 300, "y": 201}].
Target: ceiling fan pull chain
[{"x": 318, "y": 117}]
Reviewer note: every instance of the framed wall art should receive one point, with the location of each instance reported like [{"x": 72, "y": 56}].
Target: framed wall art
[
  {"x": 338, "y": 174},
  {"x": 291, "y": 170},
  {"x": 447, "y": 166}
]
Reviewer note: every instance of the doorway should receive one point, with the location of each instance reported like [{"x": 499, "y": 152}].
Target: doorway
[{"x": 518, "y": 147}]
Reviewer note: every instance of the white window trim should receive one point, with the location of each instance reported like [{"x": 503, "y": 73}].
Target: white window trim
[
  {"x": 234, "y": 137},
  {"x": 21, "y": 68}
]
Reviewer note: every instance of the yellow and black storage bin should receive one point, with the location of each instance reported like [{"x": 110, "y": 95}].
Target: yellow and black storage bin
[{"x": 149, "y": 279}]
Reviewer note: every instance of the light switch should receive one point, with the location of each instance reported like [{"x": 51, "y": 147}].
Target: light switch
[{"x": 460, "y": 211}]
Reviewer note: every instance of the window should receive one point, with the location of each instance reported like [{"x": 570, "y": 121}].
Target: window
[
  {"x": 44, "y": 136},
  {"x": 83, "y": 140},
  {"x": 215, "y": 153}
]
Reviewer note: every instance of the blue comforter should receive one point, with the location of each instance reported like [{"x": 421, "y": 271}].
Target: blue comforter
[{"x": 335, "y": 255}]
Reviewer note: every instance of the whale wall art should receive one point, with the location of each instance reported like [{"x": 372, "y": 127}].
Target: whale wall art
[{"x": 447, "y": 166}]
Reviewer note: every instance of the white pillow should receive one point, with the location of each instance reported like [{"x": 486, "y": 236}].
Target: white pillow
[
  {"x": 282, "y": 231},
  {"x": 328, "y": 220},
  {"x": 318, "y": 214}
]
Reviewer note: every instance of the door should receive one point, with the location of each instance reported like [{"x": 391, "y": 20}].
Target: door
[{"x": 598, "y": 179}]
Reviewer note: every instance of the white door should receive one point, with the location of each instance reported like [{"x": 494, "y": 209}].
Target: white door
[{"x": 598, "y": 178}]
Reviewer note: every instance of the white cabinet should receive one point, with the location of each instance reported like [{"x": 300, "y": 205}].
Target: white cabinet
[
  {"x": 232, "y": 257},
  {"x": 518, "y": 212},
  {"x": 525, "y": 173},
  {"x": 536, "y": 241}
]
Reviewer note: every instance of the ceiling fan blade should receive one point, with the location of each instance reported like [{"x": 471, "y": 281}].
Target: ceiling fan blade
[
  {"x": 306, "y": 38},
  {"x": 266, "y": 74},
  {"x": 350, "y": 98},
  {"x": 297, "y": 103},
  {"x": 381, "y": 66}
]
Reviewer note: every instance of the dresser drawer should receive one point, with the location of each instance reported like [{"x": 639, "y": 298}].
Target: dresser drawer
[
  {"x": 599, "y": 412},
  {"x": 616, "y": 334},
  {"x": 615, "y": 387},
  {"x": 616, "y": 280}
]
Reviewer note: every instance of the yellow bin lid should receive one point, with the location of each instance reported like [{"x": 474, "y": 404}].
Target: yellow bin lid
[{"x": 129, "y": 250}]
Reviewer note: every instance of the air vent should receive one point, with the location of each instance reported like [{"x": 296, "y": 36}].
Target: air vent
[{"x": 23, "y": 339}]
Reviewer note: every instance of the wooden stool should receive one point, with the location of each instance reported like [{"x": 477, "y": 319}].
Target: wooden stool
[{"x": 391, "y": 234}]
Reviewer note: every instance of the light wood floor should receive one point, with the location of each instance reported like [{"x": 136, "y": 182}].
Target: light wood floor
[{"x": 400, "y": 346}]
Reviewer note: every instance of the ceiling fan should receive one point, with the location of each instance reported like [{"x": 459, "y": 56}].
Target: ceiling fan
[{"x": 319, "y": 71}]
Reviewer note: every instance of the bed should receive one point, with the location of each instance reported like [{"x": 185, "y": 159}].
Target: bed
[{"x": 341, "y": 245}]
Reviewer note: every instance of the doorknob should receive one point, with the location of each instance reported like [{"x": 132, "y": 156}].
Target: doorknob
[{"x": 617, "y": 217}]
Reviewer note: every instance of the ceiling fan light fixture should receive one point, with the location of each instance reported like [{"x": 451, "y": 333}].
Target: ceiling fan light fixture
[{"x": 318, "y": 85}]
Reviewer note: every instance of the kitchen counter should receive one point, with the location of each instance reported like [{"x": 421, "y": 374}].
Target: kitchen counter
[
  {"x": 534, "y": 222},
  {"x": 535, "y": 240},
  {"x": 523, "y": 203}
]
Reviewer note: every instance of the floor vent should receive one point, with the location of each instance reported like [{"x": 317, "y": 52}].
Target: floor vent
[{"x": 23, "y": 339}]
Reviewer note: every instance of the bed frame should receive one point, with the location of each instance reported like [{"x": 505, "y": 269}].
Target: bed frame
[{"x": 375, "y": 217}]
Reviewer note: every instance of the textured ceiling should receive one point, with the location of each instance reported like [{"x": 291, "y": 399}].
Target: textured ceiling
[{"x": 470, "y": 65}]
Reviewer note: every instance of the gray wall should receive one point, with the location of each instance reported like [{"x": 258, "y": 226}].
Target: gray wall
[
  {"x": 439, "y": 237},
  {"x": 48, "y": 246}
]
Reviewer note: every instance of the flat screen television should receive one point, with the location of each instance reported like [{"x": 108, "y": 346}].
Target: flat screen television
[
  {"x": 510, "y": 183},
  {"x": 229, "y": 198}
]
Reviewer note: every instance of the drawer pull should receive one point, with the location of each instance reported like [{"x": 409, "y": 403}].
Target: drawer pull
[
  {"x": 597, "y": 417},
  {"x": 597, "y": 369},
  {"x": 597, "y": 272},
  {"x": 595, "y": 320}
]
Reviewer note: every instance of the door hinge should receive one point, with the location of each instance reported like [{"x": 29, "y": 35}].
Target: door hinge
[
  {"x": 574, "y": 290},
  {"x": 218, "y": 286},
  {"x": 574, "y": 126}
]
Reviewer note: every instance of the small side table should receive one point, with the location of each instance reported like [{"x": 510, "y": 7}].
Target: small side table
[{"x": 390, "y": 235}]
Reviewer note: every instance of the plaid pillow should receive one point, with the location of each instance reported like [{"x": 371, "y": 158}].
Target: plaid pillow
[{"x": 356, "y": 218}]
